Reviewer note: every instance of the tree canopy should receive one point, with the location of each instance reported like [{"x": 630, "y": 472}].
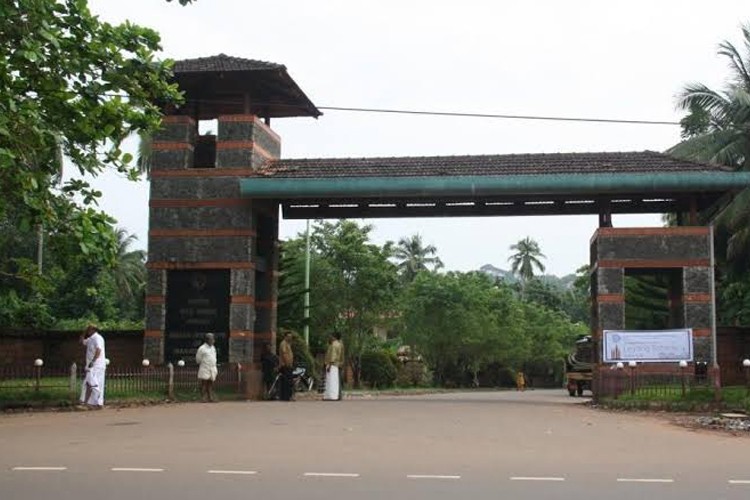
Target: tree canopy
[{"x": 71, "y": 85}]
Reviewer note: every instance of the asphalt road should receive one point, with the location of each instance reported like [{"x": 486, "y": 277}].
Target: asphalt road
[{"x": 493, "y": 445}]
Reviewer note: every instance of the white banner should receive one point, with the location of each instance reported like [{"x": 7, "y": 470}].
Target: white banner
[{"x": 658, "y": 346}]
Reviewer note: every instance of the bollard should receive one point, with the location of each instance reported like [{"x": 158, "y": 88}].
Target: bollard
[
  {"x": 72, "y": 382},
  {"x": 170, "y": 383},
  {"x": 746, "y": 366},
  {"x": 239, "y": 378}
]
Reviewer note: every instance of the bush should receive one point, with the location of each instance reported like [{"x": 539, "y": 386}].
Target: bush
[
  {"x": 378, "y": 369},
  {"x": 413, "y": 374}
]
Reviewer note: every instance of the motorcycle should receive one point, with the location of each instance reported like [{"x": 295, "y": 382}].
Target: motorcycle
[{"x": 301, "y": 381}]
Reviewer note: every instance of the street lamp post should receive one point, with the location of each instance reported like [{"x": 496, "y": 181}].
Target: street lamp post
[
  {"x": 632, "y": 365},
  {"x": 618, "y": 385},
  {"x": 683, "y": 365}
]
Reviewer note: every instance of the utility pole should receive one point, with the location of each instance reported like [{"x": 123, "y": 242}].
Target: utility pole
[
  {"x": 39, "y": 248},
  {"x": 714, "y": 348},
  {"x": 306, "y": 327}
]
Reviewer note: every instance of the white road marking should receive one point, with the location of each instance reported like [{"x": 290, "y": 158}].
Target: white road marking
[
  {"x": 134, "y": 469},
  {"x": 526, "y": 478},
  {"x": 330, "y": 474},
  {"x": 638, "y": 480},
  {"x": 739, "y": 481},
  {"x": 237, "y": 472},
  {"x": 431, "y": 476},
  {"x": 39, "y": 468}
]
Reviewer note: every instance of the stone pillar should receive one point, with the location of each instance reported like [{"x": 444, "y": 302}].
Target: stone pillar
[
  {"x": 684, "y": 251},
  {"x": 200, "y": 223}
]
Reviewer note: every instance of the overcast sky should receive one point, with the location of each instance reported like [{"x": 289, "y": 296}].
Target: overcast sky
[{"x": 573, "y": 58}]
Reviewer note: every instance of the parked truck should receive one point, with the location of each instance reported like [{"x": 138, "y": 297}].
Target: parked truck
[{"x": 579, "y": 367}]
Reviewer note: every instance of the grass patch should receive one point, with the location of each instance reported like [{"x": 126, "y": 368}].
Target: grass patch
[
  {"x": 54, "y": 392},
  {"x": 670, "y": 398}
]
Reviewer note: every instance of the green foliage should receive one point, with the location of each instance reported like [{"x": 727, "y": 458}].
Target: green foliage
[
  {"x": 74, "y": 284},
  {"x": 353, "y": 286},
  {"x": 74, "y": 85},
  {"x": 414, "y": 257},
  {"x": 734, "y": 297},
  {"x": 413, "y": 373},
  {"x": 16, "y": 312},
  {"x": 464, "y": 322},
  {"x": 379, "y": 368},
  {"x": 715, "y": 129}
]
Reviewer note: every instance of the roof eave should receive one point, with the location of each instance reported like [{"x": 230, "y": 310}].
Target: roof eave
[{"x": 547, "y": 184}]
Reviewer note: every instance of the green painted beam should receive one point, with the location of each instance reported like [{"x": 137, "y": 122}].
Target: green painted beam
[{"x": 548, "y": 184}]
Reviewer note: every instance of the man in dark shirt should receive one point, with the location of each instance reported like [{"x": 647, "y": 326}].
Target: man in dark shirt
[{"x": 269, "y": 363}]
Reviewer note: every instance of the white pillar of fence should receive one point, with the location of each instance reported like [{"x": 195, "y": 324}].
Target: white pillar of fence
[
  {"x": 170, "y": 383},
  {"x": 72, "y": 385}
]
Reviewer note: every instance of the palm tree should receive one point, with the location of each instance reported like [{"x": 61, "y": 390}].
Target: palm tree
[
  {"x": 414, "y": 257},
  {"x": 526, "y": 258},
  {"x": 143, "y": 161},
  {"x": 717, "y": 129},
  {"x": 129, "y": 270}
]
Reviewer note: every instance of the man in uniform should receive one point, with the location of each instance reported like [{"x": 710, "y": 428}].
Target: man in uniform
[
  {"x": 334, "y": 362},
  {"x": 286, "y": 365}
]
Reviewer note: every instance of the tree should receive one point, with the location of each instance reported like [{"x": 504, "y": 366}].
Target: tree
[
  {"x": 716, "y": 128},
  {"x": 364, "y": 284},
  {"x": 525, "y": 260},
  {"x": 354, "y": 286},
  {"x": 461, "y": 322},
  {"x": 129, "y": 272},
  {"x": 72, "y": 83},
  {"x": 413, "y": 257}
]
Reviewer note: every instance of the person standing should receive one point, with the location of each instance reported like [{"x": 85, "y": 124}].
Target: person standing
[
  {"x": 520, "y": 381},
  {"x": 334, "y": 361},
  {"x": 92, "y": 393},
  {"x": 205, "y": 357},
  {"x": 269, "y": 363},
  {"x": 286, "y": 366}
]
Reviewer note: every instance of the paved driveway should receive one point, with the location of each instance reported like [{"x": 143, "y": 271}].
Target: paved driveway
[{"x": 537, "y": 444}]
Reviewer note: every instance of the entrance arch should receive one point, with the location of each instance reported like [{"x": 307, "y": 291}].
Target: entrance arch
[{"x": 215, "y": 201}]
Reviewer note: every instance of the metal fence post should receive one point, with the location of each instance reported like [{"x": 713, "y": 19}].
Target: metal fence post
[
  {"x": 170, "y": 383},
  {"x": 72, "y": 382}
]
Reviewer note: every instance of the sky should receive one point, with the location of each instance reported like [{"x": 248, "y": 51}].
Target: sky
[{"x": 623, "y": 60}]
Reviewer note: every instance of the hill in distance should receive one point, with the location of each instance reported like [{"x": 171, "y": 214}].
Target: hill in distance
[{"x": 564, "y": 283}]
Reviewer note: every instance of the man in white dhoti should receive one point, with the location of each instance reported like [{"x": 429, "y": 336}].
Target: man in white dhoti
[
  {"x": 334, "y": 361},
  {"x": 207, "y": 370},
  {"x": 92, "y": 393}
]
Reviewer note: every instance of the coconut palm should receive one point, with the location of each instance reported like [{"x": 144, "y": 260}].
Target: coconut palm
[
  {"x": 414, "y": 257},
  {"x": 143, "y": 161},
  {"x": 717, "y": 129},
  {"x": 526, "y": 258},
  {"x": 129, "y": 270}
]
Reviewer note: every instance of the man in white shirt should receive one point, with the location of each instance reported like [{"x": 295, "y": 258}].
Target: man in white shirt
[
  {"x": 207, "y": 370},
  {"x": 92, "y": 393}
]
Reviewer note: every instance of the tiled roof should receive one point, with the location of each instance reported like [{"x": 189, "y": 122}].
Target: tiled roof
[
  {"x": 222, "y": 62},
  {"x": 520, "y": 164}
]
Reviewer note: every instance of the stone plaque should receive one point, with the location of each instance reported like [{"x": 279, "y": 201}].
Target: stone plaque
[{"x": 197, "y": 303}]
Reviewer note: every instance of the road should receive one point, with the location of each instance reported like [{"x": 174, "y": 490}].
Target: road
[{"x": 493, "y": 445}]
